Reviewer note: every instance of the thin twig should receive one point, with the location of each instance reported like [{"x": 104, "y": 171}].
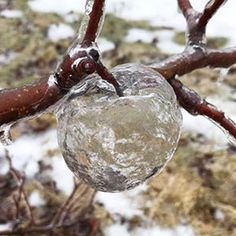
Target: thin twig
[
  {"x": 71, "y": 204},
  {"x": 94, "y": 23},
  {"x": 20, "y": 179},
  {"x": 192, "y": 102},
  {"x": 58, "y": 215},
  {"x": 210, "y": 9},
  {"x": 106, "y": 75}
]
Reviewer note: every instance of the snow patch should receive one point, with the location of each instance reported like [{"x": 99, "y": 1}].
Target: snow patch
[
  {"x": 153, "y": 11},
  {"x": 61, "y": 174},
  {"x": 71, "y": 17},
  {"x": 60, "y": 31},
  {"x": 4, "y": 227},
  {"x": 28, "y": 150},
  {"x": 7, "y": 57},
  {"x": 164, "y": 39},
  {"x": 62, "y": 7},
  {"x": 11, "y": 13},
  {"x": 204, "y": 126},
  {"x": 35, "y": 199},
  {"x": 105, "y": 45},
  {"x": 219, "y": 215},
  {"x": 4, "y": 165},
  {"x": 118, "y": 229},
  {"x": 124, "y": 203}
]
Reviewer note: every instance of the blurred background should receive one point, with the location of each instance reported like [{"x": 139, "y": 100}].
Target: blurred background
[{"x": 194, "y": 195}]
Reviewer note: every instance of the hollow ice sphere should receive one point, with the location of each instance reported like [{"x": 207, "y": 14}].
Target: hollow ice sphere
[{"x": 115, "y": 143}]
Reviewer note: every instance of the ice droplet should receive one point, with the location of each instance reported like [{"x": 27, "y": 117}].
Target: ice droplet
[{"x": 114, "y": 143}]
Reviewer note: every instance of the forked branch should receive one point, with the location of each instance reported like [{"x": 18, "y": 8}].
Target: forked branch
[
  {"x": 210, "y": 9},
  {"x": 198, "y": 55},
  {"x": 83, "y": 59},
  {"x": 193, "y": 103}
]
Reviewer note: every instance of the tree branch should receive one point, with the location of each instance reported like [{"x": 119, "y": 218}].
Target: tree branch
[
  {"x": 210, "y": 9},
  {"x": 96, "y": 16},
  {"x": 79, "y": 61},
  {"x": 193, "y": 103},
  {"x": 106, "y": 75},
  {"x": 83, "y": 59},
  {"x": 185, "y": 7}
]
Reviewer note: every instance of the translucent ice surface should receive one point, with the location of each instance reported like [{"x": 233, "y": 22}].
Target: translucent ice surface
[
  {"x": 86, "y": 19},
  {"x": 115, "y": 143}
]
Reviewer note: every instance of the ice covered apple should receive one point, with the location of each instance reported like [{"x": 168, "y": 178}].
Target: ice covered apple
[{"x": 115, "y": 143}]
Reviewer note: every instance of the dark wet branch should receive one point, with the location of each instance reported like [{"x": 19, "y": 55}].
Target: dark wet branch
[
  {"x": 210, "y": 9},
  {"x": 84, "y": 59},
  {"x": 193, "y": 103},
  {"x": 222, "y": 58},
  {"x": 106, "y": 75},
  {"x": 96, "y": 16},
  {"x": 185, "y": 7},
  {"x": 80, "y": 61}
]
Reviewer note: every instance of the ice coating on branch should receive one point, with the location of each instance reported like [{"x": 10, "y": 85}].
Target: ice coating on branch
[
  {"x": 86, "y": 18},
  {"x": 114, "y": 143}
]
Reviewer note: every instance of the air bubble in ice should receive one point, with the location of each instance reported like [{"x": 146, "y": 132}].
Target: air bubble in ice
[{"x": 115, "y": 143}]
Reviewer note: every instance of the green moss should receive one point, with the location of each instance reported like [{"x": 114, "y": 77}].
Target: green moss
[
  {"x": 135, "y": 52},
  {"x": 26, "y": 36},
  {"x": 116, "y": 28},
  {"x": 179, "y": 38},
  {"x": 20, "y": 4},
  {"x": 212, "y": 42},
  {"x": 217, "y": 42}
]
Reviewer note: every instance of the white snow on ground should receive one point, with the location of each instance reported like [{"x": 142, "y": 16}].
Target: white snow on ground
[
  {"x": 140, "y": 34},
  {"x": 124, "y": 203},
  {"x": 4, "y": 164},
  {"x": 105, "y": 45},
  {"x": 7, "y": 57},
  {"x": 164, "y": 37},
  {"x": 127, "y": 204},
  {"x": 61, "y": 174},
  {"x": 11, "y": 13},
  {"x": 61, "y": 7},
  {"x": 204, "y": 126},
  {"x": 152, "y": 10},
  {"x": 36, "y": 200},
  {"x": 27, "y": 150},
  {"x": 118, "y": 230},
  {"x": 71, "y": 17},
  {"x": 219, "y": 215},
  {"x": 166, "y": 43},
  {"x": 166, "y": 14},
  {"x": 60, "y": 31},
  {"x": 4, "y": 227}
]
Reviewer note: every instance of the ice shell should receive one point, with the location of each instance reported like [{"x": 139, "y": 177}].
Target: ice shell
[{"x": 114, "y": 143}]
